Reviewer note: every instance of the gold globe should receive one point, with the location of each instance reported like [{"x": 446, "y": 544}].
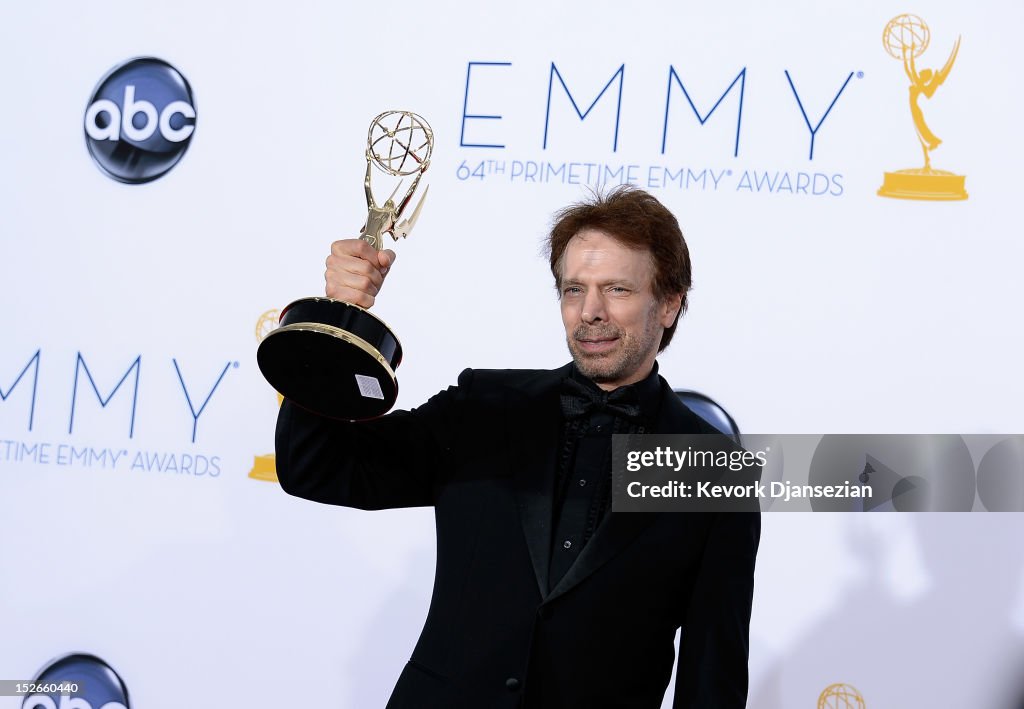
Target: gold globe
[
  {"x": 400, "y": 142},
  {"x": 840, "y": 696},
  {"x": 906, "y": 32}
]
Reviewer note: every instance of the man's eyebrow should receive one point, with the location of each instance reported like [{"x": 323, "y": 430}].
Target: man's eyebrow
[{"x": 611, "y": 282}]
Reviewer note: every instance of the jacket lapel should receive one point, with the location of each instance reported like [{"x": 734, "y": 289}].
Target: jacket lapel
[
  {"x": 619, "y": 529},
  {"x": 535, "y": 418}
]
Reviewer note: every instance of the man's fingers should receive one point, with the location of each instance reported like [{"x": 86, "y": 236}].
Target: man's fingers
[
  {"x": 354, "y": 270},
  {"x": 350, "y": 295},
  {"x": 386, "y": 259},
  {"x": 354, "y": 247},
  {"x": 344, "y": 279}
]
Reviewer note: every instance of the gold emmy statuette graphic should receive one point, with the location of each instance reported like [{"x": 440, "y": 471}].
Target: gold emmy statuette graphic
[
  {"x": 906, "y": 37},
  {"x": 840, "y": 696},
  {"x": 264, "y": 467},
  {"x": 332, "y": 357}
]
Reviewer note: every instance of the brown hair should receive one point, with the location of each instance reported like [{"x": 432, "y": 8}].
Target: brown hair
[{"x": 638, "y": 221}]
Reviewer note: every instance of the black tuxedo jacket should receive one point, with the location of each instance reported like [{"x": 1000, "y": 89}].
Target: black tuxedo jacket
[{"x": 483, "y": 454}]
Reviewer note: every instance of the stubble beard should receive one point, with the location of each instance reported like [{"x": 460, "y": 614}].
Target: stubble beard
[{"x": 620, "y": 363}]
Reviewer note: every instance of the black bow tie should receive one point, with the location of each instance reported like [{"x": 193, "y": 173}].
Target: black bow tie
[{"x": 580, "y": 400}]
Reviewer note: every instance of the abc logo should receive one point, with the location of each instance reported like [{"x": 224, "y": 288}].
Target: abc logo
[
  {"x": 100, "y": 686},
  {"x": 140, "y": 120}
]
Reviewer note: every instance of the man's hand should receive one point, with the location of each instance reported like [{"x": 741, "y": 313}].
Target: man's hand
[{"x": 355, "y": 271}]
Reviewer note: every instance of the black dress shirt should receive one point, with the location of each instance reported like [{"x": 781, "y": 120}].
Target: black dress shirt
[{"x": 583, "y": 484}]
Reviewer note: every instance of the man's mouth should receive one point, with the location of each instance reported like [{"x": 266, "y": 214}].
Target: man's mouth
[{"x": 596, "y": 345}]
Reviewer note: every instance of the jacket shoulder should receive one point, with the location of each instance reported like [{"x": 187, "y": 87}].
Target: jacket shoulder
[{"x": 512, "y": 378}]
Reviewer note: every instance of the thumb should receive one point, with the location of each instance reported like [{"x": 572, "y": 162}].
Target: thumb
[{"x": 386, "y": 259}]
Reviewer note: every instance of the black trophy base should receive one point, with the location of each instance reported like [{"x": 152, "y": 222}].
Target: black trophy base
[{"x": 333, "y": 358}]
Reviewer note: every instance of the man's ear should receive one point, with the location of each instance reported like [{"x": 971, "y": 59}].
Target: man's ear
[{"x": 669, "y": 309}]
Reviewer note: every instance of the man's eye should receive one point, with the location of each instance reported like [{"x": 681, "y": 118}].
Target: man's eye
[{"x": 572, "y": 290}]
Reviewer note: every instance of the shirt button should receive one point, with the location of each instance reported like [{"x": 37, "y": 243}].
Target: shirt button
[
  {"x": 582, "y": 482},
  {"x": 566, "y": 544},
  {"x": 512, "y": 683},
  {"x": 598, "y": 428}
]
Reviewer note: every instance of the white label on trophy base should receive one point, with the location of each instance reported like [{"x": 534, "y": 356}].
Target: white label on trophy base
[{"x": 369, "y": 387}]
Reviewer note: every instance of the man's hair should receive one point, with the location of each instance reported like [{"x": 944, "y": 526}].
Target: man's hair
[{"x": 638, "y": 221}]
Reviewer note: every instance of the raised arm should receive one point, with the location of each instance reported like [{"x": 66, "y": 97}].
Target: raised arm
[
  {"x": 908, "y": 65},
  {"x": 370, "y": 204},
  {"x": 394, "y": 461}
]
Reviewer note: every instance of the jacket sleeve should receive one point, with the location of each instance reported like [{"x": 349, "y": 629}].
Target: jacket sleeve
[
  {"x": 397, "y": 460},
  {"x": 714, "y": 646}
]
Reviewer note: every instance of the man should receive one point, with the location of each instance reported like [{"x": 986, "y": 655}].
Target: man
[{"x": 542, "y": 596}]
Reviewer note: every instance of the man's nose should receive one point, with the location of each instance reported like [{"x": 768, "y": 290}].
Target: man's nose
[{"x": 593, "y": 307}]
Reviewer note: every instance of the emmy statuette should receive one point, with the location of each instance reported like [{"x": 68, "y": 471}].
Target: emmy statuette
[
  {"x": 332, "y": 357},
  {"x": 905, "y": 38}
]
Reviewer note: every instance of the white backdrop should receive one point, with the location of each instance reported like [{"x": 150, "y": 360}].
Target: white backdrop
[{"x": 834, "y": 312}]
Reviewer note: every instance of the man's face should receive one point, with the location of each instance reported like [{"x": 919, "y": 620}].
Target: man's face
[{"x": 613, "y": 322}]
